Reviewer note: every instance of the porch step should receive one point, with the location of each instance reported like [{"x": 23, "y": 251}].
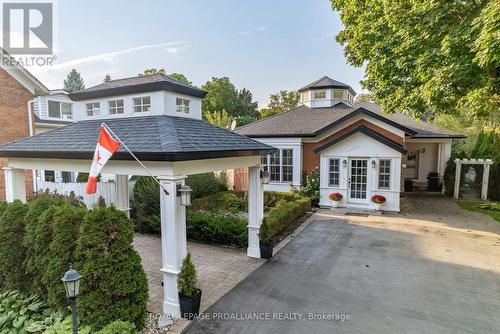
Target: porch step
[{"x": 420, "y": 186}]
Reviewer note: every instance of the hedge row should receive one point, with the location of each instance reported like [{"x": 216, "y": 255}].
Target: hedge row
[
  {"x": 224, "y": 201},
  {"x": 285, "y": 213},
  {"x": 216, "y": 228},
  {"x": 40, "y": 239}
]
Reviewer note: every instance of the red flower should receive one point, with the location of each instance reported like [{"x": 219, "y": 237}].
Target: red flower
[
  {"x": 335, "y": 197},
  {"x": 379, "y": 199}
]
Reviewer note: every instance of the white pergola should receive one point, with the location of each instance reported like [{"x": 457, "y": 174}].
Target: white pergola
[
  {"x": 486, "y": 174},
  {"x": 173, "y": 215}
]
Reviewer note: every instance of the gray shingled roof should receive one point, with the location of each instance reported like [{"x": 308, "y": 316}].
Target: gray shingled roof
[
  {"x": 327, "y": 82},
  {"x": 154, "y": 138},
  {"x": 309, "y": 122},
  {"x": 138, "y": 84}
]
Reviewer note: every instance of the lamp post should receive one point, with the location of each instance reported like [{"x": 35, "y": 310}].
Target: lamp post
[{"x": 71, "y": 281}]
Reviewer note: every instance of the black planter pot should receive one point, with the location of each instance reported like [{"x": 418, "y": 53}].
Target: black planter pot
[
  {"x": 266, "y": 249},
  {"x": 190, "y": 305}
]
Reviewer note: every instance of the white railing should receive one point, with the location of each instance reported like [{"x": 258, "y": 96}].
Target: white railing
[{"x": 105, "y": 189}]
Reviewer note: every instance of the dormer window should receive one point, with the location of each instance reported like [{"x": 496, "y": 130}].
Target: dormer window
[
  {"x": 93, "y": 109},
  {"x": 182, "y": 105},
  {"x": 338, "y": 94},
  {"x": 320, "y": 95},
  {"x": 60, "y": 110},
  {"x": 142, "y": 104}
]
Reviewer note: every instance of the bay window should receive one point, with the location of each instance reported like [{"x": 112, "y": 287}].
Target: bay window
[
  {"x": 279, "y": 165},
  {"x": 60, "y": 110}
]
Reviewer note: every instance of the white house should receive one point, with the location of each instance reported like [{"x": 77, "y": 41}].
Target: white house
[{"x": 359, "y": 150}]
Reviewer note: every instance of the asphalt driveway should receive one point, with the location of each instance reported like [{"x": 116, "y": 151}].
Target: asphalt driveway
[{"x": 386, "y": 274}]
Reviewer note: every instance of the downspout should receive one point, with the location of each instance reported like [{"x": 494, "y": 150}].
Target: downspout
[{"x": 30, "y": 125}]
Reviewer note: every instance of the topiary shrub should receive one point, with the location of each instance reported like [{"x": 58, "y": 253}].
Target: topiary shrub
[
  {"x": 118, "y": 327},
  {"x": 281, "y": 217},
  {"x": 187, "y": 281},
  {"x": 66, "y": 220},
  {"x": 271, "y": 198},
  {"x": 114, "y": 285},
  {"x": 37, "y": 237},
  {"x": 216, "y": 228},
  {"x": 265, "y": 231},
  {"x": 12, "y": 251}
]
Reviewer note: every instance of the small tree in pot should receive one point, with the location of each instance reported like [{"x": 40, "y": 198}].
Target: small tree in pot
[
  {"x": 266, "y": 244},
  {"x": 378, "y": 200},
  {"x": 189, "y": 293}
]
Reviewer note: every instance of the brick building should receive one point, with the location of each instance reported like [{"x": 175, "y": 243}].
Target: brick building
[{"x": 17, "y": 88}]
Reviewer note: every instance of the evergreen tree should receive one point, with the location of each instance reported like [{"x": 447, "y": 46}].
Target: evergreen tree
[
  {"x": 12, "y": 251},
  {"x": 74, "y": 81},
  {"x": 60, "y": 253},
  {"x": 115, "y": 285}
]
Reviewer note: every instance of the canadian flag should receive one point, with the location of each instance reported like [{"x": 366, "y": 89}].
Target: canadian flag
[{"x": 104, "y": 149}]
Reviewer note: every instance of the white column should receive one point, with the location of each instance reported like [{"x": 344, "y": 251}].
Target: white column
[
  {"x": 15, "y": 187},
  {"x": 484, "y": 187},
  {"x": 123, "y": 202},
  {"x": 457, "y": 178},
  {"x": 255, "y": 210},
  {"x": 173, "y": 241}
]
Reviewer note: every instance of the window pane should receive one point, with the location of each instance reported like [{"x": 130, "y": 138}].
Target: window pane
[
  {"x": 66, "y": 177},
  {"x": 320, "y": 95},
  {"x": 54, "y": 109},
  {"x": 182, "y": 105},
  {"x": 50, "y": 176},
  {"x": 384, "y": 177},
  {"x": 66, "y": 111},
  {"x": 263, "y": 162},
  {"x": 334, "y": 172},
  {"x": 274, "y": 163},
  {"x": 338, "y": 94},
  {"x": 287, "y": 165}
]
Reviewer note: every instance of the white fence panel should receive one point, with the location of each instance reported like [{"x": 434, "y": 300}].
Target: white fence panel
[{"x": 105, "y": 189}]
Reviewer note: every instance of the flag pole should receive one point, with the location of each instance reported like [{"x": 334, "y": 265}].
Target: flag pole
[{"x": 133, "y": 155}]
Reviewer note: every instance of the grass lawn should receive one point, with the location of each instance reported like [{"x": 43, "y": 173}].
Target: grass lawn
[{"x": 490, "y": 209}]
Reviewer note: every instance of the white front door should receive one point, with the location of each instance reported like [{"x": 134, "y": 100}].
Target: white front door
[{"x": 358, "y": 175}]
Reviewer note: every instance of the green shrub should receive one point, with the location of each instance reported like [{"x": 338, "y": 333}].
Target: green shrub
[
  {"x": 271, "y": 198},
  {"x": 217, "y": 229},
  {"x": 224, "y": 201},
  {"x": 118, "y": 327},
  {"x": 37, "y": 237},
  {"x": 265, "y": 231},
  {"x": 20, "y": 313},
  {"x": 60, "y": 253},
  {"x": 309, "y": 187},
  {"x": 187, "y": 281},
  {"x": 64, "y": 325},
  {"x": 3, "y": 207},
  {"x": 205, "y": 184},
  {"x": 12, "y": 251},
  {"x": 147, "y": 205},
  {"x": 114, "y": 285},
  {"x": 284, "y": 214}
]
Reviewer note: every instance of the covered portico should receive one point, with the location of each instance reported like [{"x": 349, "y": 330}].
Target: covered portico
[{"x": 170, "y": 149}]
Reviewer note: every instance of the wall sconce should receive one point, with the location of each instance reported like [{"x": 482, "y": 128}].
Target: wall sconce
[
  {"x": 374, "y": 163},
  {"x": 344, "y": 163},
  {"x": 184, "y": 192},
  {"x": 423, "y": 150},
  {"x": 404, "y": 165},
  {"x": 264, "y": 177}
]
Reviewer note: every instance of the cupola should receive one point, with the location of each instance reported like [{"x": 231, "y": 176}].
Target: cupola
[{"x": 326, "y": 92}]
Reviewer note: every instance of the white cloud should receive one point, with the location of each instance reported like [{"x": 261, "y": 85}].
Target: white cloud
[
  {"x": 250, "y": 31},
  {"x": 110, "y": 56}
]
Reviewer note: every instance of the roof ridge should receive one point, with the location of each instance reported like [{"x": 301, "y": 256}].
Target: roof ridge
[{"x": 272, "y": 116}]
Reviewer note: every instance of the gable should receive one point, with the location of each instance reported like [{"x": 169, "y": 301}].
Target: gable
[{"x": 357, "y": 137}]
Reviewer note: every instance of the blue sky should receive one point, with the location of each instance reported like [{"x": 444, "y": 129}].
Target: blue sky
[{"x": 263, "y": 45}]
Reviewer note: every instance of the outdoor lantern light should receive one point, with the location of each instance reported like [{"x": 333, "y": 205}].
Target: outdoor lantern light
[
  {"x": 264, "y": 177},
  {"x": 374, "y": 163},
  {"x": 184, "y": 192},
  {"x": 344, "y": 163},
  {"x": 71, "y": 281}
]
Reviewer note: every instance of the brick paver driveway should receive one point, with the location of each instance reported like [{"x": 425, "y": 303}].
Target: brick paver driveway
[
  {"x": 219, "y": 269},
  {"x": 432, "y": 269}
]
